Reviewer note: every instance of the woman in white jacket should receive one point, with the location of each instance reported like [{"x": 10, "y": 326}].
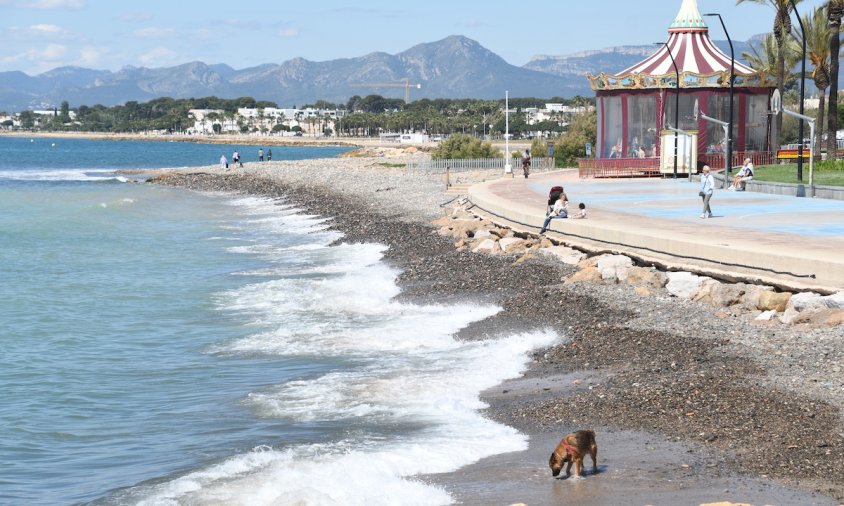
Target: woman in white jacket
[{"x": 707, "y": 185}]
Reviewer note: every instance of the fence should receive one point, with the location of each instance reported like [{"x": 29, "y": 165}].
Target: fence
[
  {"x": 618, "y": 167},
  {"x": 537, "y": 164},
  {"x": 716, "y": 160}
]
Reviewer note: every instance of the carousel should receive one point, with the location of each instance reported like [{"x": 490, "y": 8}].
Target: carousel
[{"x": 637, "y": 107}]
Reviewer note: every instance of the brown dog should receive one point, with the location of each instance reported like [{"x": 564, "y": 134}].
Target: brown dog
[{"x": 572, "y": 449}]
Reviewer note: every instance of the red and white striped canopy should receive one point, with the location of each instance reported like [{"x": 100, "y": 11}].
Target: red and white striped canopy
[
  {"x": 691, "y": 47},
  {"x": 700, "y": 63}
]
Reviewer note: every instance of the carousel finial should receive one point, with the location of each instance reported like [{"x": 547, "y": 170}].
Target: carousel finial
[{"x": 688, "y": 19}]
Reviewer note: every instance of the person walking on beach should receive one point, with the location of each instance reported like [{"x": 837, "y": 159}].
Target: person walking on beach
[
  {"x": 269, "y": 155},
  {"x": 707, "y": 186},
  {"x": 236, "y": 158},
  {"x": 224, "y": 164},
  {"x": 260, "y": 154}
]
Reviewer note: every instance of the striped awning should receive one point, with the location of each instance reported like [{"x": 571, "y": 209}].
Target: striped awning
[{"x": 700, "y": 63}]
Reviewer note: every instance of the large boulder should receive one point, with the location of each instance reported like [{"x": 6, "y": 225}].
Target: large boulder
[
  {"x": 487, "y": 246},
  {"x": 705, "y": 292},
  {"x": 684, "y": 284},
  {"x": 773, "y": 301},
  {"x": 807, "y": 301},
  {"x": 564, "y": 254},
  {"x": 643, "y": 276},
  {"x": 512, "y": 244},
  {"x": 752, "y": 294},
  {"x": 835, "y": 301},
  {"x": 461, "y": 227},
  {"x": 588, "y": 275},
  {"x": 614, "y": 267}
]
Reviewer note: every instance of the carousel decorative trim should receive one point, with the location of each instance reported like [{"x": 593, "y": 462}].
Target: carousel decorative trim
[{"x": 641, "y": 81}]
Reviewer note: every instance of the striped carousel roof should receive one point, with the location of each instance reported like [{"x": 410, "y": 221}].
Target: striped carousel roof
[{"x": 700, "y": 62}]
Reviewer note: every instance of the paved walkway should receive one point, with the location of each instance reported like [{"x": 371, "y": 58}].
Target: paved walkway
[{"x": 794, "y": 243}]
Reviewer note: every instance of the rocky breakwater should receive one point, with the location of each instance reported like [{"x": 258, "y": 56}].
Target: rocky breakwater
[{"x": 746, "y": 370}]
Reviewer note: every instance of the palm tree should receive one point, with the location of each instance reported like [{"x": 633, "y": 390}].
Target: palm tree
[
  {"x": 817, "y": 49},
  {"x": 834, "y": 12},
  {"x": 782, "y": 30}
]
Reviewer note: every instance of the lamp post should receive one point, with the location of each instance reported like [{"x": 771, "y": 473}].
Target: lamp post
[
  {"x": 729, "y": 155},
  {"x": 802, "y": 95},
  {"x": 676, "y": 102}
]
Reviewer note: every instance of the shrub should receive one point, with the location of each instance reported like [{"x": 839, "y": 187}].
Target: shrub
[{"x": 464, "y": 146}]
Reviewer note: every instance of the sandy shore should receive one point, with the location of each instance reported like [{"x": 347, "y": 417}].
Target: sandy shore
[{"x": 689, "y": 408}]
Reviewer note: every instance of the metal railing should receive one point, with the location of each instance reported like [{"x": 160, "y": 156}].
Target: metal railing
[
  {"x": 618, "y": 167},
  {"x": 716, "y": 160},
  {"x": 537, "y": 164}
]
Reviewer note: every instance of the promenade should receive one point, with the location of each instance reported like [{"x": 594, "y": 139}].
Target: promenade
[{"x": 789, "y": 242}]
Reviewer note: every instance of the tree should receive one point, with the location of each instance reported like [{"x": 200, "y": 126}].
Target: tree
[
  {"x": 572, "y": 144},
  {"x": 817, "y": 49},
  {"x": 782, "y": 30},
  {"x": 64, "y": 115},
  {"x": 834, "y": 12},
  {"x": 464, "y": 146}
]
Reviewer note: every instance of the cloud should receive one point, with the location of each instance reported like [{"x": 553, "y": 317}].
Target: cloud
[
  {"x": 53, "y": 52},
  {"x": 91, "y": 56},
  {"x": 289, "y": 32},
  {"x": 157, "y": 57},
  {"x": 154, "y": 33},
  {"x": 45, "y": 29},
  {"x": 134, "y": 17},
  {"x": 54, "y": 4}
]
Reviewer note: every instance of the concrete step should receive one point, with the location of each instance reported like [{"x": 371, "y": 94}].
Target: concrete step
[{"x": 458, "y": 189}]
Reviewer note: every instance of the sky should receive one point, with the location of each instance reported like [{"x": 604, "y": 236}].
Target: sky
[{"x": 40, "y": 35}]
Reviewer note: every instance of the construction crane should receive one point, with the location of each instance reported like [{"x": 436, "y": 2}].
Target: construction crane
[{"x": 404, "y": 84}]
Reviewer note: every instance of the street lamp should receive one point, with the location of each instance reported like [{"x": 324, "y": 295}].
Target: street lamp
[
  {"x": 729, "y": 160},
  {"x": 802, "y": 95},
  {"x": 676, "y": 102}
]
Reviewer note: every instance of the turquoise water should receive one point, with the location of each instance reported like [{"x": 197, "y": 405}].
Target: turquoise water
[{"x": 161, "y": 346}]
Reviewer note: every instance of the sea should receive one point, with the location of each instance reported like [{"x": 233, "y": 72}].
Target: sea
[{"x": 161, "y": 346}]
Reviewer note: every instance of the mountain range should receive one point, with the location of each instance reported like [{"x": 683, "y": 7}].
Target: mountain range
[{"x": 454, "y": 67}]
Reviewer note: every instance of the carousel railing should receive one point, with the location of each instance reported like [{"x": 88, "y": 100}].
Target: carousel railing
[
  {"x": 618, "y": 167},
  {"x": 716, "y": 160}
]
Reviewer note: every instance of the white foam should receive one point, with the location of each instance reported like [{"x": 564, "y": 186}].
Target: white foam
[
  {"x": 440, "y": 392},
  {"x": 61, "y": 175},
  {"x": 403, "y": 368}
]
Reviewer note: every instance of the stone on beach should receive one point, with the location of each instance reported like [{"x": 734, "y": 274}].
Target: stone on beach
[{"x": 684, "y": 284}]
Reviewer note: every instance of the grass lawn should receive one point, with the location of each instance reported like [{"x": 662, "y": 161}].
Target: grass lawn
[{"x": 825, "y": 173}]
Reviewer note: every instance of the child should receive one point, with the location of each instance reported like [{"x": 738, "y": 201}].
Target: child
[{"x": 581, "y": 212}]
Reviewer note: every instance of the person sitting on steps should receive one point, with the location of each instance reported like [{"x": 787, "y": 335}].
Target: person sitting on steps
[
  {"x": 744, "y": 175},
  {"x": 560, "y": 210}
]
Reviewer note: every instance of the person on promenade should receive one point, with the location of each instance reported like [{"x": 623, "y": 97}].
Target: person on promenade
[
  {"x": 559, "y": 211},
  {"x": 526, "y": 163},
  {"x": 260, "y": 154},
  {"x": 744, "y": 175},
  {"x": 707, "y": 186},
  {"x": 269, "y": 155},
  {"x": 224, "y": 164},
  {"x": 581, "y": 212}
]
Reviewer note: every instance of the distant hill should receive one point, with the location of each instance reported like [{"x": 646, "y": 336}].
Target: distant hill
[
  {"x": 454, "y": 67},
  {"x": 611, "y": 60}
]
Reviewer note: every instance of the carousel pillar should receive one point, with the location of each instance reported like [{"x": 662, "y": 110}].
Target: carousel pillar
[
  {"x": 729, "y": 155},
  {"x": 676, "y": 102}
]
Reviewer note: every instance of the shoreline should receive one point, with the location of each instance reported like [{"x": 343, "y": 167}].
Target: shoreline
[
  {"x": 682, "y": 407},
  {"x": 228, "y": 139}
]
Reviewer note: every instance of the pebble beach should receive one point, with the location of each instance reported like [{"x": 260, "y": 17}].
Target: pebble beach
[{"x": 690, "y": 407}]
